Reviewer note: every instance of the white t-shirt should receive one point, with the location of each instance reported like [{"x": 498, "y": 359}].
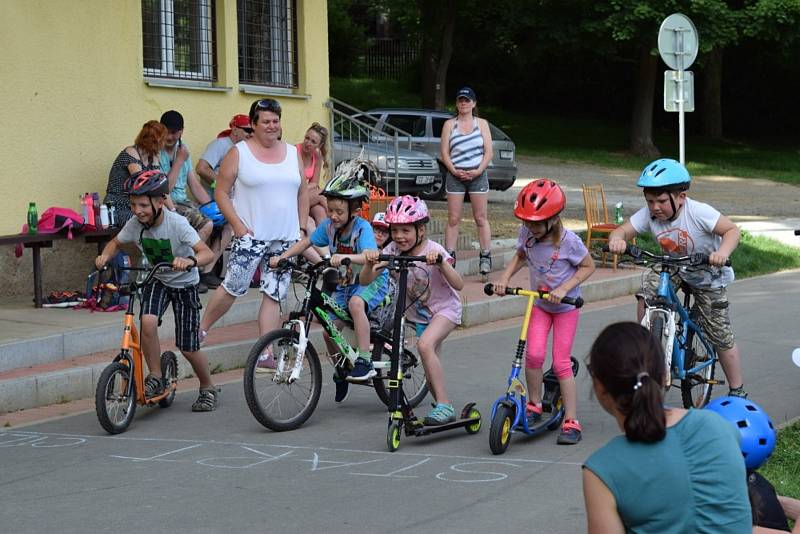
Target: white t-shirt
[
  {"x": 689, "y": 233},
  {"x": 173, "y": 238},
  {"x": 266, "y": 195}
]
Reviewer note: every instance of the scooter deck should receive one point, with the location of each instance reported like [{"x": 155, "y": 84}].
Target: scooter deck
[{"x": 424, "y": 430}]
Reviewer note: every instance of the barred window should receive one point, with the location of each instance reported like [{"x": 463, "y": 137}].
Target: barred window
[
  {"x": 268, "y": 42},
  {"x": 179, "y": 39}
]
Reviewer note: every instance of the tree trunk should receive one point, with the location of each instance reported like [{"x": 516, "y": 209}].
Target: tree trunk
[
  {"x": 438, "y": 26},
  {"x": 712, "y": 94},
  {"x": 642, "y": 117}
]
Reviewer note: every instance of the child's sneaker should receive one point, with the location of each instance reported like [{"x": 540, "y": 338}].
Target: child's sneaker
[
  {"x": 570, "y": 432},
  {"x": 266, "y": 364},
  {"x": 207, "y": 400},
  {"x": 533, "y": 412},
  {"x": 440, "y": 414},
  {"x": 342, "y": 387},
  {"x": 153, "y": 386},
  {"x": 362, "y": 371},
  {"x": 485, "y": 262},
  {"x": 738, "y": 392}
]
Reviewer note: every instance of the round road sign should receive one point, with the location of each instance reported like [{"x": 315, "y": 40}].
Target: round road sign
[{"x": 677, "y": 41}]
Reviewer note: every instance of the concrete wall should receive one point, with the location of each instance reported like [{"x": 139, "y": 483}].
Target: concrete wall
[{"x": 72, "y": 95}]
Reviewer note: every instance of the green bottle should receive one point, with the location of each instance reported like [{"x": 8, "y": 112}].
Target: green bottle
[{"x": 33, "y": 218}]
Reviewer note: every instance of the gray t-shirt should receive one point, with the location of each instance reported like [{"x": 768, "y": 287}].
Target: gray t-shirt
[
  {"x": 171, "y": 239},
  {"x": 692, "y": 231},
  {"x": 216, "y": 150}
]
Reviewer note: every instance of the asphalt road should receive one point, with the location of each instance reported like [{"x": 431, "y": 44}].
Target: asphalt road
[{"x": 174, "y": 471}]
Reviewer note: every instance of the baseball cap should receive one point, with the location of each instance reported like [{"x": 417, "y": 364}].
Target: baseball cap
[
  {"x": 380, "y": 220},
  {"x": 240, "y": 121},
  {"x": 172, "y": 120},
  {"x": 466, "y": 92}
]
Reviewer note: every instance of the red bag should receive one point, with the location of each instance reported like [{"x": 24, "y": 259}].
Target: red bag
[{"x": 56, "y": 220}]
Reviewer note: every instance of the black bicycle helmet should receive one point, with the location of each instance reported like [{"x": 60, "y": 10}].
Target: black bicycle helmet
[{"x": 148, "y": 183}]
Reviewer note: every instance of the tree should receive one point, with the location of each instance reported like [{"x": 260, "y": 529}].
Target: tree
[{"x": 438, "y": 24}]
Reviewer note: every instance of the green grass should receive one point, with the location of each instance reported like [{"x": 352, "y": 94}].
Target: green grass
[
  {"x": 783, "y": 467},
  {"x": 596, "y": 142}
]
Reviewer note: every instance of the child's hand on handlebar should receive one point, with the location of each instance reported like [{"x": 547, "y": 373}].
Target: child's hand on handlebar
[
  {"x": 717, "y": 260},
  {"x": 500, "y": 286},
  {"x": 273, "y": 261},
  {"x": 556, "y": 295},
  {"x": 617, "y": 245},
  {"x": 336, "y": 260},
  {"x": 101, "y": 261},
  {"x": 371, "y": 256},
  {"x": 432, "y": 257},
  {"x": 183, "y": 264}
]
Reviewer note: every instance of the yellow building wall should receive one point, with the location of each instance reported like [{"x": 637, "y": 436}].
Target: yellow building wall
[{"x": 72, "y": 95}]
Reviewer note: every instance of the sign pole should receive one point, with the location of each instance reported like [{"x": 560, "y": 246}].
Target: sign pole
[{"x": 681, "y": 132}]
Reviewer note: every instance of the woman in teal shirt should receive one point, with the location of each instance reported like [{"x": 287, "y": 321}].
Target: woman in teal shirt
[{"x": 674, "y": 470}]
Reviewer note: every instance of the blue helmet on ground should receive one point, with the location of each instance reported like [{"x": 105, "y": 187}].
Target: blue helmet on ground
[
  {"x": 665, "y": 174},
  {"x": 211, "y": 210},
  {"x": 753, "y": 423}
]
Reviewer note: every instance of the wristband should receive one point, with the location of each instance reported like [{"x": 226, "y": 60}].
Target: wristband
[{"x": 194, "y": 261}]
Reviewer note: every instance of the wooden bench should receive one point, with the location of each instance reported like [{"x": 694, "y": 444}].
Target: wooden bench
[{"x": 38, "y": 241}]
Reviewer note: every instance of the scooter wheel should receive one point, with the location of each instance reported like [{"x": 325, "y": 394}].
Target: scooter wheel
[
  {"x": 393, "y": 435},
  {"x": 500, "y": 431},
  {"x": 475, "y": 427}
]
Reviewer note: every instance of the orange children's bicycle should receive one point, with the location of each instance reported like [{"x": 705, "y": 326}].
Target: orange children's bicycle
[{"x": 121, "y": 384}]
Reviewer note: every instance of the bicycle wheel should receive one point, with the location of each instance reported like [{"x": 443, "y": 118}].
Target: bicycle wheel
[
  {"x": 695, "y": 389},
  {"x": 114, "y": 407},
  {"x": 275, "y": 402},
  {"x": 415, "y": 383},
  {"x": 169, "y": 369},
  {"x": 659, "y": 329}
]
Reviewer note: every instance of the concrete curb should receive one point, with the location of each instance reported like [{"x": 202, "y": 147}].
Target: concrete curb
[{"x": 80, "y": 382}]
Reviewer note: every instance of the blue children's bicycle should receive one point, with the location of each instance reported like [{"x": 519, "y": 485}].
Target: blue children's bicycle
[
  {"x": 689, "y": 355},
  {"x": 508, "y": 411}
]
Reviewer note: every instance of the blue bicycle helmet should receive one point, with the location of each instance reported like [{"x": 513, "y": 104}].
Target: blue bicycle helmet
[
  {"x": 753, "y": 423},
  {"x": 665, "y": 174},
  {"x": 211, "y": 210}
]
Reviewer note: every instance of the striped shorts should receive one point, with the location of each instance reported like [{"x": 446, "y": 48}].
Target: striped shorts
[{"x": 186, "y": 308}]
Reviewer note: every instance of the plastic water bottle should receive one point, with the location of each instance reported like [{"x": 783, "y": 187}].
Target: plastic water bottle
[
  {"x": 618, "y": 213},
  {"x": 104, "y": 221},
  {"x": 33, "y": 218},
  {"x": 112, "y": 214}
]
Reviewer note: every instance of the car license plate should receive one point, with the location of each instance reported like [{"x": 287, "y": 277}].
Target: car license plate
[
  {"x": 424, "y": 180},
  {"x": 506, "y": 154}
]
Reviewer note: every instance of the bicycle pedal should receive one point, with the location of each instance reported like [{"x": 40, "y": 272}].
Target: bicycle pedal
[{"x": 715, "y": 382}]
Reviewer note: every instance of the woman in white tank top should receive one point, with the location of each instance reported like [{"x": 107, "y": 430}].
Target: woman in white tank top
[
  {"x": 466, "y": 150},
  {"x": 271, "y": 199}
]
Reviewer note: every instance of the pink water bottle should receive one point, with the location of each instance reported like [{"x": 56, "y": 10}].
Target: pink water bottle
[
  {"x": 88, "y": 209},
  {"x": 98, "y": 223}
]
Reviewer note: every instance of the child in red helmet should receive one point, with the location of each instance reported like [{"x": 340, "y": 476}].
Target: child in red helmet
[{"x": 558, "y": 263}]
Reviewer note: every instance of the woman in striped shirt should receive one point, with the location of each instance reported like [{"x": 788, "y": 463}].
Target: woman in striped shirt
[{"x": 466, "y": 150}]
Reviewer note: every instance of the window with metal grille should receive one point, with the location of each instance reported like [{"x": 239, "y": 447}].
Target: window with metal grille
[
  {"x": 179, "y": 39},
  {"x": 268, "y": 42}
]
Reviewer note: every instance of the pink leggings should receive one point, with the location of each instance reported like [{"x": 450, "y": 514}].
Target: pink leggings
[{"x": 564, "y": 326}]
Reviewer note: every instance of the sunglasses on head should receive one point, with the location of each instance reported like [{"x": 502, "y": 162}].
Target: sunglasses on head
[{"x": 269, "y": 104}]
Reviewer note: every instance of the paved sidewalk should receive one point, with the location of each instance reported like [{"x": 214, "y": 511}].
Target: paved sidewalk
[{"x": 228, "y": 345}]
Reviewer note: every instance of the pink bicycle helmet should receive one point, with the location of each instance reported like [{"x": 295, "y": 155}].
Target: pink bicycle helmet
[{"x": 407, "y": 210}]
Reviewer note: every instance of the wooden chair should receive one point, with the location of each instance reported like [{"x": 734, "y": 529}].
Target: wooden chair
[{"x": 598, "y": 226}]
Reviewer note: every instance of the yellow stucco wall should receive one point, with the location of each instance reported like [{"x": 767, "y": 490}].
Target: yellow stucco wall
[{"x": 72, "y": 94}]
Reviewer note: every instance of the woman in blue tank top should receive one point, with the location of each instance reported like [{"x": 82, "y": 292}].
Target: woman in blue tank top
[
  {"x": 465, "y": 151},
  {"x": 673, "y": 470}
]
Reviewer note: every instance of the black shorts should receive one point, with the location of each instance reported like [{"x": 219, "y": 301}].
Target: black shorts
[{"x": 186, "y": 308}]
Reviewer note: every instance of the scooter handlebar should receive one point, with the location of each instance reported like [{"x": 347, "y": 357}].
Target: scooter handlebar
[{"x": 572, "y": 301}]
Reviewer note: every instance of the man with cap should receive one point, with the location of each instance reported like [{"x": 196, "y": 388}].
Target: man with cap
[
  {"x": 208, "y": 165},
  {"x": 177, "y": 164}
]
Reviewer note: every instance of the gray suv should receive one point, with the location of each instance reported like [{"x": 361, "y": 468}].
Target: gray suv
[{"x": 425, "y": 127}]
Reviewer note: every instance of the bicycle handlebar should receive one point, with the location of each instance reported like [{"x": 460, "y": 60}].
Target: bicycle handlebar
[
  {"x": 406, "y": 259},
  {"x": 797, "y": 232},
  {"x": 286, "y": 263},
  {"x": 572, "y": 301},
  {"x": 696, "y": 259}
]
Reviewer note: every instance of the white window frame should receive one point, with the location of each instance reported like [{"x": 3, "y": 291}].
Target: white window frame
[
  {"x": 282, "y": 49},
  {"x": 206, "y": 74}
]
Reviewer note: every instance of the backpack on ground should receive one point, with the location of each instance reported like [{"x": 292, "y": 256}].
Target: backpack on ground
[{"x": 103, "y": 287}]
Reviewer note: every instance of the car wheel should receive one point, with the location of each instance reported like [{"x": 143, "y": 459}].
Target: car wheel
[{"x": 436, "y": 191}]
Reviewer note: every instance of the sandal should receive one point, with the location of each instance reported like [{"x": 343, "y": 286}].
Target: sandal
[
  {"x": 570, "y": 432},
  {"x": 207, "y": 400},
  {"x": 153, "y": 386},
  {"x": 533, "y": 412}
]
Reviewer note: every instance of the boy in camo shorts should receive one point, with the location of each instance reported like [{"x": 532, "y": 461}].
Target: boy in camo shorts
[{"x": 684, "y": 226}]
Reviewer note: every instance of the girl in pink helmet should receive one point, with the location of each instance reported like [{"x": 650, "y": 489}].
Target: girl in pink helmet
[{"x": 432, "y": 292}]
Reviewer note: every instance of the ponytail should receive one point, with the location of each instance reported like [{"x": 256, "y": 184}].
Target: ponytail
[{"x": 629, "y": 362}]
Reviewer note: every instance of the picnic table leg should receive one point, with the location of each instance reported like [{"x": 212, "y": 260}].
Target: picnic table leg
[{"x": 37, "y": 276}]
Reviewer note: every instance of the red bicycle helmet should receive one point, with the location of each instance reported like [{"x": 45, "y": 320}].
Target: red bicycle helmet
[
  {"x": 148, "y": 183},
  {"x": 539, "y": 200}
]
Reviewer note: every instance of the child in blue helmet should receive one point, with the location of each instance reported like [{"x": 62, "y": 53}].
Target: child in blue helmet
[
  {"x": 684, "y": 226},
  {"x": 758, "y": 437}
]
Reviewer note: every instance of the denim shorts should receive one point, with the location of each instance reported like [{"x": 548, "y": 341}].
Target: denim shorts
[
  {"x": 247, "y": 255},
  {"x": 476, "y": 185},
  {"x": 186, "y": 308}
]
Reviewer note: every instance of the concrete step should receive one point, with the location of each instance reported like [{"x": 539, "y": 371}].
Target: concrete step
[{"x": 78, "y": 376}]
